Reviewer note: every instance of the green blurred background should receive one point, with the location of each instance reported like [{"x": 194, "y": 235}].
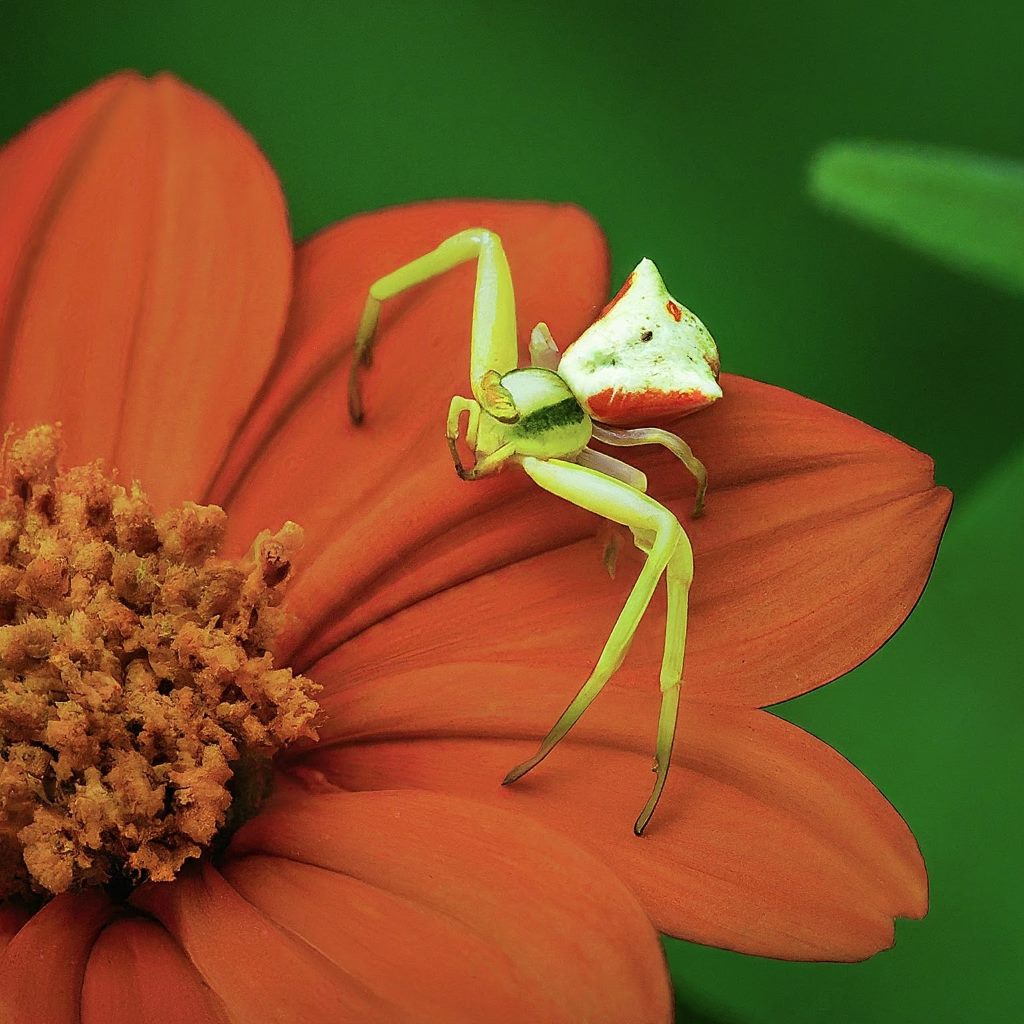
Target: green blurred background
[{"x": 687, "y": 128}]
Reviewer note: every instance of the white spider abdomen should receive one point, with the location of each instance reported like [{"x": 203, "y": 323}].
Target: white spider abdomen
[{"x": 646, "y": 357}]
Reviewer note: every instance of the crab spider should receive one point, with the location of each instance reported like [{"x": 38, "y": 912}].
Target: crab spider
[{"x": 646, "y": 355}]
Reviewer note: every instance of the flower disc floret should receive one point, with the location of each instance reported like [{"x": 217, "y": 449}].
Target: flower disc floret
[{"x": 138, "y": 693}]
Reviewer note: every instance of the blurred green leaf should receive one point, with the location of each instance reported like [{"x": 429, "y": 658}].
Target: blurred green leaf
[
  {"x": 965, "y": 209},
  {"x": 687, "y": 1014}
]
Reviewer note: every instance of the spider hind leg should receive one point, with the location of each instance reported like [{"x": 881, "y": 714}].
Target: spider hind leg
[{"x": 621, "y": 438}]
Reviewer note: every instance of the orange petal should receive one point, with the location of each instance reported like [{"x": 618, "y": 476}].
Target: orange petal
[
  {"x": 433, "y": 908},
  {"x": 258, "y": 971},
  {"x": 819, "y": 537},
  {"x": 11, "y": 920},
  {"x": 145, "y": 268},
  {"x": 42, "y": 968},
  {"x": 300, "y": 458},
  {"x": 766, "y": 841},
  {"x": 137, "y": 975}
]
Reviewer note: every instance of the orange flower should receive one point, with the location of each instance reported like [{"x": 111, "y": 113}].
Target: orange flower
[{"x": 149, "y": 300}]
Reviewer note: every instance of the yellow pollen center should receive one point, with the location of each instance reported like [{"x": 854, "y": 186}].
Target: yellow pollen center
[{"x": 136, "y": 687}]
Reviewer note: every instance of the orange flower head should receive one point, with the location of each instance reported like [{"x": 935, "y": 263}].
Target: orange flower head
[{"x": 152, "y": 302}]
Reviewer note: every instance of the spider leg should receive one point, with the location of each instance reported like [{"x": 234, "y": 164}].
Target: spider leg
[
  {"x": 613, "y": 467},
  {"x": 458, "y": 406},
  {"x": 675, "y": 444},
  {"x": 657, "y": 532},
  {"x": 494, "y": 347},
  {"x": 490, "y": 463},
  {"x": 678, "y": 577},
  {"x": 607, "y": 533},
  {"x": 543, "y": 350}
]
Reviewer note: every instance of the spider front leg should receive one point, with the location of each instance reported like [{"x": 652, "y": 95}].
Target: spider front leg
[
  {"x": 659, "y": 534},
  {"x": 494, "y": 345}
]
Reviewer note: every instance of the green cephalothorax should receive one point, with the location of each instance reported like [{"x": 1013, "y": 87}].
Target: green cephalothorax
[
  {"x": 552, "y": 423},
  {"x": 549, "y": 423},
  {"x": 647, "y": 354}
]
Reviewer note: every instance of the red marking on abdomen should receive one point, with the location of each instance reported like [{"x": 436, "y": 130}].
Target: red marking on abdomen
[
  {"x": 674, "y": 311},
  {"x": 618, "y": 295},
  {"x": 623, "y": 408}
]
